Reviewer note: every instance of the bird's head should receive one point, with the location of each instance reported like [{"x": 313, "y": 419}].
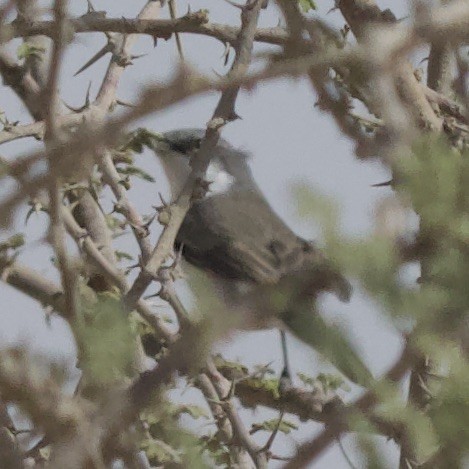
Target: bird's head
[{"x": 228, "y": 167}]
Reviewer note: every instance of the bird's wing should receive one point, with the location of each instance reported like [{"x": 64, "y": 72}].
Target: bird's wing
[
  {"x": 250, "y": 243},
  {"x": 233, "y": 260}
]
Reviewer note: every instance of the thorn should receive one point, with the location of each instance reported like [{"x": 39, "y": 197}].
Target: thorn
[
  {"x": 107, "y": 48},
  {"x": 160, "y": 195},
  {"x": 138, "y": 56},
  {"x": 235, "y": 116},
  {"x": 153, "y": 295},
  {"x": 173, "y": 14},
  {"x": 178, "y": 257},
  {"x": 36, "y": 207},
  {"x": 87, "y": 97},
  {"x": 383, "y": 184},
  {"x": 236, "y": 5},
  {"x": 90, "y": 8},
  {"x": 226, "y": 53},
  {"x": 217, "y": 401},
  {"x": 149, "y": 222},
  {"x": 86, "y": 105},
  {"x": 141, "y": 231},
  {"x": 261, "y": 372},
  {"x": 425, "y": 59},
  {"x": 271, "y": 439},
  {"x": 277, "y": 457},
  {"x": 218, "y": 75},
  {"x": 131, "y": 267},
  {"x": 73, "y": 109},
  {"x": 123, "y": 103},
  {"x": 125, "y": 20},
  {"x": 285, "y": 381},
  {"x": 177, "y": 271},
  {"x": 231, "y": 391}
]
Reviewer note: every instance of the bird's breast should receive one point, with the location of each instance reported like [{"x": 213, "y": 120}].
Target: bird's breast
[{"x": 220, "y": 180}]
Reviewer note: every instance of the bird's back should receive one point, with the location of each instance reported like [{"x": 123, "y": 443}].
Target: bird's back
[{"x": 240, "y": 237}]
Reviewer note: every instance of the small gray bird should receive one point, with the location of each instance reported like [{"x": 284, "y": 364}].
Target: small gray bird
[{"x": 234, "y": 234}]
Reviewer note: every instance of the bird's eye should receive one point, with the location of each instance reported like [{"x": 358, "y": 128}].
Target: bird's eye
[{"x": 185, "y": 146}]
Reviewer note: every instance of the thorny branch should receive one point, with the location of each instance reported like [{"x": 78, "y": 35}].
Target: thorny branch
[
  {"x": 224, "y": 113},
  {"x": 404, "y": 106}
]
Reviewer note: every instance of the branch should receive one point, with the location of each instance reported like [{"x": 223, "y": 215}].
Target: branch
[
  {"x": 217, "y": 389},
  {"x": 305, "y": 404},
  {"x": 186, "y": 84},
  {"x": 22, "y": 83},
  {"x": 63, "y": 418},
  {"x": 15, "y": 132},
  {"x": 338, "y": 423},
  {"x": 34, "y": 285},
  {"x": 36, "y": 63},
  {"x": 123, "y": 205},
  {"x": 110, "y": 272},
  {"x": 239, "y": 455},
  {"x": 192, "y": 23},
  {"x": 361, "y": 15},
  {"x": 121, "y": 58},
  {"x": 56, "y": 228},
  {"x": 223, "y": 113}
]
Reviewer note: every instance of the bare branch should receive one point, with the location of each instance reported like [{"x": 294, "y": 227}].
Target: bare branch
[
  {"x": 121, "y": 58},
  {"x": 193, "y": 23},
  {"x": 112, "y": 178},
  {"x": 224, "y": 113},
  {"x": 22, "y": 83}
]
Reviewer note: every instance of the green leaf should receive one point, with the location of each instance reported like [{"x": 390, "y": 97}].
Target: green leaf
[
  {"x": 234, "y": 369},
  {"x": 140, "y": 138},
  {"x": 269, "y": 385},
  {"x": 332, "y": 382},
  {"x": 328, "y": 382},
  {"x": 14, "y": 242},
  {"x": 106, "y": 338},
  {"x": 123, "y": 255},
  {"x": 159, "y": 452},
  {"x": 194, "y": 411},
  {"x": 26, "y": 50},
  {"x": 307, "y": 5},
  {"x": 135, "y": 171},
  {"x": 318, "y": 208},
  {"x": 217, "y": 450},
  {"x": 270, "y": 425},
  {"x": 307, "y": 380}
]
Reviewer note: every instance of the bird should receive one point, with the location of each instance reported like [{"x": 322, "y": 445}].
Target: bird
[{"x": 234, "y": 234}]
